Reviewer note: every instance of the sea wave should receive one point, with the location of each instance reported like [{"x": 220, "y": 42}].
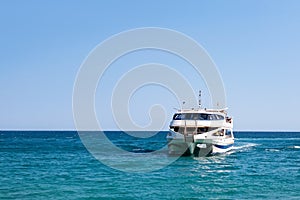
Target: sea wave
[
  {"x": 266, "y": 138},
  {"x": 244, "y": 146}
]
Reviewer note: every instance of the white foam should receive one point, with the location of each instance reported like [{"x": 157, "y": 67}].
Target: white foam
[
  {"x": 272, "y": 150},
  {"x": 249, "y": 145},
  {"x": 266, "y": 138}
]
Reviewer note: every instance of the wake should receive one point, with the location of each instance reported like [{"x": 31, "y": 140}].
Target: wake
[
  {"x": 241, "y": 147},
  {"x": 245, "y": 146}
]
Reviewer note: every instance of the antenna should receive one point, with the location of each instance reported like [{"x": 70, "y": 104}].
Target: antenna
[{"x": 199, "y": 99}]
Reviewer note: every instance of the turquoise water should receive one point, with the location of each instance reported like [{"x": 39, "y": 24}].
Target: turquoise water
[{"x": 56, "y": 165}]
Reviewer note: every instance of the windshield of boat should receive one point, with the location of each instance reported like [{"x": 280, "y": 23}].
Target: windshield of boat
[{"x": 197, "y": 116}]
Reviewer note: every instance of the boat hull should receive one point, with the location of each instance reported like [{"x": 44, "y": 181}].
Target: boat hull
[
  {"x": 178, "y": 147},
  {"x": 198, "y": 148}
]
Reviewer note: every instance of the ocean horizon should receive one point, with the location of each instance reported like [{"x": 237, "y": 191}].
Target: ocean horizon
[{"x": 56, "y": 165}]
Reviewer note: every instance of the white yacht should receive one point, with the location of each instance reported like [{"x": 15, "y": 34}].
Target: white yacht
[{"x": 200, "y": 132}]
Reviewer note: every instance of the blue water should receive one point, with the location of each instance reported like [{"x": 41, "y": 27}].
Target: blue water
[{"x": 56, "y": 165}]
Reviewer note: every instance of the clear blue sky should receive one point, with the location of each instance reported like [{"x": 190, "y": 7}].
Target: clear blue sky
[{"x": 254, "y": 43}]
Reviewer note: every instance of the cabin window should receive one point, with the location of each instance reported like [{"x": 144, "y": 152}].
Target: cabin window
[
  {"x": 206, "y": 129},
  {"x": 197, "y": 116},
  {"x": 203, "y": 116},
  {"x": 188, "y": 116},
  {"x": 219, "y": 133},
  {"x": 228, "y": 133},
  {"x": 202, "y": 129},
  {"x": 212, "y": 117},
  {"x": 220, "y": 117},
  {"x": 199, "y": 130},
  {"x": 177, "y": 116},
  {"x": 176, "y": 128}
]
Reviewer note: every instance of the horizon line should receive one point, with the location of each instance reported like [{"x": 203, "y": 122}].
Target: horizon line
[{"x": 73, "y": 130}]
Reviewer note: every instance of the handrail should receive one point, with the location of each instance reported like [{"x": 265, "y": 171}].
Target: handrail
[
  {"x": 185, "y": 127},
  {"x": 196, "y": 127}
]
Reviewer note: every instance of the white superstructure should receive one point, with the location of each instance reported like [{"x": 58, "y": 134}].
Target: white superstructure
[{"x": 200, "y": 132}]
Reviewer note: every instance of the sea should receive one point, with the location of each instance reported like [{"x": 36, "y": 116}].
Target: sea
[{"x": 61, "y": 165}]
